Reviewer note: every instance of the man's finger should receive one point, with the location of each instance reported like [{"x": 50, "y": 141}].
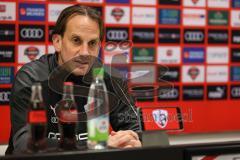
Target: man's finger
[
  {"x": 121, "y": 141},
  {"x": 113, "y": 133},
  {"x": 120, "y": 134},
  {"x": 134, "y": 134},
  {"x": 135, "y": 143},
  {"x": 128, "y": 146}
]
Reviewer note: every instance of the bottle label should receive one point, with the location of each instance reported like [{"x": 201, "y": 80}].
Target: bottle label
[
  {"x": 68, "y": 115},
  {"x": 37, "y": 117},
  {"x": 98, "y": 128}
]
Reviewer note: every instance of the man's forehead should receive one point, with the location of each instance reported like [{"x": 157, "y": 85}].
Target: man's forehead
[
  {"x": 81, "y": 21},
  {"x": 80, "y": 26},
  {"x": 93, "y": 36}
]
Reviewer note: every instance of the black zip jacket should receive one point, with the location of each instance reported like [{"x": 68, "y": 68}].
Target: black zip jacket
[{"x": 45, "y": 70}]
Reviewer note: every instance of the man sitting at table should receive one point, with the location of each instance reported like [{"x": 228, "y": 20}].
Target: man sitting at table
[{"x": 77, "y": 37}]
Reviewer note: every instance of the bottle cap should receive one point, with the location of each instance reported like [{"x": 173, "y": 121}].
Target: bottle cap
[
  {"x": 68, "y": 83},
  {"x": 36, "y": 85},
  {"x": 98, "y": 72}
]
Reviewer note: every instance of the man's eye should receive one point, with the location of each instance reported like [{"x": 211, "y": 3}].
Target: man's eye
[
  {"x": 76, "y": 40},
  {"x": 93, "y": 44}
]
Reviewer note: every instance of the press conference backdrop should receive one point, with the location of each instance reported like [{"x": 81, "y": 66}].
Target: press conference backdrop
[{"x": 183, "y": 53}]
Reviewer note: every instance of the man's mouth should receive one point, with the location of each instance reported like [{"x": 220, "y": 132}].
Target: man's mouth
[
  {"x": 83, "y": 61},
  {"x": 80, "y": 61},
  {"x": 81, "y": 64}
]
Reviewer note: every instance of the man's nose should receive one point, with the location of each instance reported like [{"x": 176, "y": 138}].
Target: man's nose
[{"x": 84, "y": 49}]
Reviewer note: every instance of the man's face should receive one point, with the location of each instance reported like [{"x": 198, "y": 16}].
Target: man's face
[{"x": 79, "y": 44}]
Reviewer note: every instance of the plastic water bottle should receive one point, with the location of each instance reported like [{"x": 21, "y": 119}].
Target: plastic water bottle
[{"x": 98, "y": 112}]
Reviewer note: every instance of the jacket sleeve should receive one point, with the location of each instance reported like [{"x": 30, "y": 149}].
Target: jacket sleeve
[{"x": 124, "y": 115}]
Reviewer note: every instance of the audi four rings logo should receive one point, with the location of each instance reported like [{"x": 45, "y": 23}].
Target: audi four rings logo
[
  {"x": 117, "y": 35},
  {"x": 236, "y": 92},
  {"x": 32, "y": 33},
  {"x": 194, "y": 36}
]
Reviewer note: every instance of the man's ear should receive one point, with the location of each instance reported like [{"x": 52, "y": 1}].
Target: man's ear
[{"x": 57, "y": 42}]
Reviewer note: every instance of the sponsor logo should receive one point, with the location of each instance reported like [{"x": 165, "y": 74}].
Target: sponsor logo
[
  {"x": 194, "y": 17},
  {"x": 2, "y": 8},
  {"x": 144, "y": 2},
  {"x": 54, "y": 11},
  {"x": 117, "y": 34},
  {"x": 235, "y": 73},
  {"x": 169, "y": 55},
  {"x": 235, "y": 36},
  {"x": 217, "y": 92},
  {"x": 169, "y": 2},
  {"x": 217, "y": 36},
  {"x": 193, "y": 55},
  {"x": 169, "y": 16},
  {"x": 5, "y": 96},
  {"x": 236, "y": 3},
  {"x": 57, "y": 0},
  {"x": 7, "y": 32},
  {"x": 117, "y": 15},
  {"x": 7, "y": 11},
  {"x": 50, "y": 33},
  {"x": 7, "y": 53},
  {"x": 194, "y": 3},
  {"x": 235, "y": 55},
  {"x": 6, "y": 75},
  {"x": 217, "y": 55},
  {"x": 168, "y": 35},
  {"x": 54, "y": 119},
  {"x": 139, "y": 73},
  {"x": 193, "y": 92},
  {"x": 143, "y": 93},
  {"x": 118, "y": 55},
  {"x": 29, "y": 53},
  {"x": 31, "y": 33},
  {"x": 143, "y": 35},
  {"x": 141, "y": 15},
  {"x": 31, "y": 12},
  {"x": 143, "y": 55},
  {"x": 168, "y": 93},
  {"x": 217, "y": 18},
  {"x": 112, "y": 46},
  {"x": 79, "y": 137},
  {"x": 142, "y": 74},
  {"x": 193, "y": 74},
  {"x": 217, "y": 73},
  {"x": 171, "y": 74},
  {"x": 194, "y": 36},
  {"x": 118, "y": 1},
  {"x": 160, "y": 117},
  {"x": 91, "y": 1},
  {"x": 235, "y": 91},
  {"x": 218, "y": 3},
  {"x": 235, "y": 18}
]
